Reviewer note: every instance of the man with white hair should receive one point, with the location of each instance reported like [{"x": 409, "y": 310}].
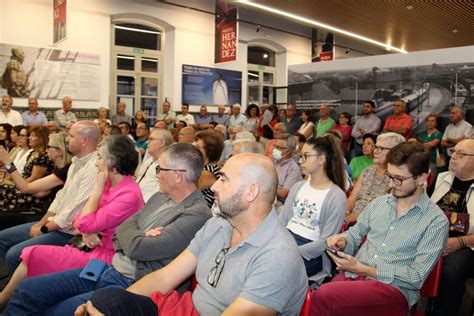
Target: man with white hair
[
  {"x": 245, "y": 146},
  {"x": 278, "y": 129},
  {"x": 454, "y": 192},
  {"x": 8, "y": 115},
  {"x": 64, "y": 116},
  {"x": 236, "y": 118},
  {"x": 158, "y": 140},
  {"x": 221, "y": 118},
  {"x": 289, "y": 172},
  {"x": 233, "y": 131},
  {"x": 457, "y": 130}
]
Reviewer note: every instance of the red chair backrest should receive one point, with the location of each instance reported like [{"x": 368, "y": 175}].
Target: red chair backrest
[
  {"x": 431, "y": 285},
  {"x": 306, "y": 308}
]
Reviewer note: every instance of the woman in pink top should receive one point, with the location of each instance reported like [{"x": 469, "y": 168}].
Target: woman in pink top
[
  {"x": 345, "y": 129},
  {"x": 115, "y": 197}
]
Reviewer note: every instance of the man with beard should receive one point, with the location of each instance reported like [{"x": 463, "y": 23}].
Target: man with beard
[
  {"x": 406, "y": 234},
  {"x": 244, "y": 260}
]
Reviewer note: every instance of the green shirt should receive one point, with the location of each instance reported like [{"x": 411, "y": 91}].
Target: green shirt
[
  {"x": 324, "y": 127},
  {"x": 423, "y": 136},
  {"x": 358, "y": 164}
]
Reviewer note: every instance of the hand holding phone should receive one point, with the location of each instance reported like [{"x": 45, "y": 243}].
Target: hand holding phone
[{"x": 333, "y": 251}]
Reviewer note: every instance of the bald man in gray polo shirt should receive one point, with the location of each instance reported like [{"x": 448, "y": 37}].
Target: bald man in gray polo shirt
[{"x": 244, "y": 259}]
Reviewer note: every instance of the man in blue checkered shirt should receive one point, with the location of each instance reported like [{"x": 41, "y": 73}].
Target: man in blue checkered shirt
[{"x": 406, "y": 234}]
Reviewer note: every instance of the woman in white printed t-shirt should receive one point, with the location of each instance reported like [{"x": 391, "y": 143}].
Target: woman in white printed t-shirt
[{"x": 315, "y": 208}]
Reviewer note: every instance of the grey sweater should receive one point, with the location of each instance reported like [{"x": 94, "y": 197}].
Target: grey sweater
[
  {"x": 331, "y": 220},
  {"x": 180, "y": 223}
]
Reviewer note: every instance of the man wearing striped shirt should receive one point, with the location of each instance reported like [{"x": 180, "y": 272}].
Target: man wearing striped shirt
[
  {"x": 406, "y": 234},
  {"x": 55, "y": 228}
]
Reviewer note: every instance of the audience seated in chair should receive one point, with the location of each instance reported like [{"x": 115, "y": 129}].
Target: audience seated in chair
[
  {"x": 115, "y": 197},
  {"x": 46, "y": 186},
  {"x": 145, "y": 242},
  {"x": 146, "y": 174},
  {"x": 373, "y": 181},
  {"x": 454, "y": 192},
  {"x": 315, "y": 208},
  {"x": 55, "y": 227},
  {"x": 37, "y": 166},
  {"x": 243, "y": 258},
  {"x": 406, "y": 234}
]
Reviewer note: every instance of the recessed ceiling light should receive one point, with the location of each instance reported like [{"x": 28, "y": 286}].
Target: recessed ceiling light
[
  {"x": 409, "y": 7},
  {"x": 455, "y": 30},
  {"x": 320, "y": 24}
]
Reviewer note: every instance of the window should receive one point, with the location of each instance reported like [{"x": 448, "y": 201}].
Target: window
[
  {"x": 136, "y": 67},
  {"x": 261, "y": 75}
]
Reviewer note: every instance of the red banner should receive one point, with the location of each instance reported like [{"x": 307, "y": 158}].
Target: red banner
[
  {"x": 59, "y": 24},
  {"x": 226, "y": 32}
]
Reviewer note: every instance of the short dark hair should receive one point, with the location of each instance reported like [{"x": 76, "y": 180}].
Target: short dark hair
[
  {"x": 213, "y": 144},
  {"x": 372, "y": 103},
  {"x": 120, "y": 153},
  {"x": 127, "y": 125},
  {"x": 301, "y": 137},
  {"x": 185, "y": 104},
  {"x": 412, "y": 154},
  {"x": 185, "y": 156},
  {"x": 436, "y": 117},
  {"x": 114, "y": 130},
  {"x": 373, "y": 137},
  {"x": 17, "y": 129}
]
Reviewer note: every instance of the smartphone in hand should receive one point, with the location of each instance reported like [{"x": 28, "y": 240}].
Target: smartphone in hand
[{"x": 333, "y": 251}]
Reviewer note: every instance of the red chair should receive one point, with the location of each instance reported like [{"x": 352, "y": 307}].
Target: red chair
[
  {"x": 430, "y": 288},
  {"x": 306, "y": 308}
]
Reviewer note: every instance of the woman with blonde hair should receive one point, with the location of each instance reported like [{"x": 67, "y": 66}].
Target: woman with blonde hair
[{"x": 46, "y": 187}]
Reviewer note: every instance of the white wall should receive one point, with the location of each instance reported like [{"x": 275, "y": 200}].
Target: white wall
[{"x": 191, "y": 41}]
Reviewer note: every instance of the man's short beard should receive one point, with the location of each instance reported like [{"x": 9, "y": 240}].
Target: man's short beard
[
  {"x": 230, "y": 207},
  {"x": 408, "y": 194}
]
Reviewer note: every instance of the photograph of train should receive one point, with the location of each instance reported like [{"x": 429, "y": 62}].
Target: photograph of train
[{"x": 426, "y": 89}]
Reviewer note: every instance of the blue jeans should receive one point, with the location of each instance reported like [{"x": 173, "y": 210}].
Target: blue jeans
[
  {"x": 314, "y": 265},
  {"x": 14, "y": 239},
  {"x": 60, "y": 293}
]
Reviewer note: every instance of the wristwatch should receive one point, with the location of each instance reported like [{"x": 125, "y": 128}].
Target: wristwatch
[
  {"x": 44, "y": 229},
  {"x": 9, "y": 167}
]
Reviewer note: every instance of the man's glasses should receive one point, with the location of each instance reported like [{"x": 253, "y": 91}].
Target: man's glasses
[
  {"x": 397, "y": 180},
  {"x": 216, "y": 271},
  {"x": 380, "y": 148},
  {"x": 158, "y": 169},
  {"x": 461, "y": 154},
  {"x": 305, "y": 156}
]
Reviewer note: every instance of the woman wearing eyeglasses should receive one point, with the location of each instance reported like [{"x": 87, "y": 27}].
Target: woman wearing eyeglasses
[
  {"x": 45, "y": 187},
  {"x": 373, "y": 181},
  {"x": 115, "y": 197},
  {"x": 314, "y": 208}
]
